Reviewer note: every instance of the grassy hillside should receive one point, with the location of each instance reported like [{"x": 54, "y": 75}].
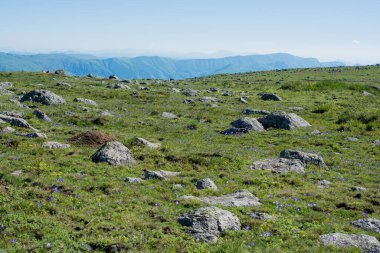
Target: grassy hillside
[{"x": 63, "y": 202}]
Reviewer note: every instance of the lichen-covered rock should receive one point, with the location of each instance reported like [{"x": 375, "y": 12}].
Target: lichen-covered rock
[
  {"x": 142, "y": 142},
  {"x": 206, "y": 183},
  {"x": 44, "y": 97},
  {"x": 282, "y": 120},
  {"x": 306, "y": 158},
  {"x": 6, "y": 85},
  {"x": 169, "y": 115},
  {"x": 160, "y": 174},
  {"x": 6, "y": 130},
  {"x": 279, "y": 165},
  {"x": 367, "y": 244},
  {"x": 133, "y": 180},
  {"x": 249, "y": 124},
  {"x": 85, "y": 101},
  {"x": 114, "y": 153},
  {"x": 55, "y": 145},
  {"x": 205, "y": 224},
  {"x": 32, "y": 135},
  {"x": 369, "y": 224},
  {"x": 240, "y": 198}
]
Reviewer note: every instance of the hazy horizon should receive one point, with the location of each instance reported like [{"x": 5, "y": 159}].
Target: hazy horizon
[{"x": 329, "y": 31}]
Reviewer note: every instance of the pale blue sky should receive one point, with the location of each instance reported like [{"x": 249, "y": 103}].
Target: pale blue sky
[{"x": 327, "y": 29}]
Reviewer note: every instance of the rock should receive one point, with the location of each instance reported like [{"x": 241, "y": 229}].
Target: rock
[
  {"x": 160, "y": 174},
  {"x": 305, "y": 158},
  {"x": 213, "y": 105},
  {"x": 270, "y": 96},
  {"x": 32, "y": 135},
  {"x": 255, "y": 111},
  {"x": 279, "y": 165},
  {"x": 208, "y": 99},
  {"x": 206, "y": 223},
  {"x": 142, "y": 142},
  {"x": 297, "y": 109},
  {"x": 169, "y": 115},
  {"x": 188, "y": 101},
  {"x": 106, "y": 113},
  {"x": 118, "y": 86},
  {"x": 375, "y": 142},
  {"x": 133, "y": 180},
  {"x": 44, "y": 97},
  {"x": 126, "y": 81},
  {"x": 206, "y": 183},
  {"x": 323, "y": 184},
  {"x": 6, "y": 92},
  {"x": 240, "y": 198},
  {"x": 249, "y": 124},
  {"x": 282, "y": 120},
  {"x": 64, "y": 85},
  {"x": 177, "y": 186},
  {"x": 261, "y": 216},
  {"x": 316, "y": 132},
  {"x": 59, "y": 72},
  {"x": 16, "y": 173},
  {"x": 114, "y": 153},
  {"x": 213, "y": 89},
  {"x": 175, "y": 90},
  {"x": 16, "y": 121},
  {"x": 351, "y": 139},
  {"x": 113, "y": 77},
  {"x": 365, "y": 93},
  {"x": 6, "y": 85},
  {"x": 227, "y": 93},
  {"x": 55, "y": 145},
  {"x": 241, "y": 99},
  {"x": 42, "y": 116},
  {"x": 369, "y": 224},
  {"x": 144, "y": 88},
  {"x": 367, "y": 244},
  {"x": 358, "y": 188},
  {"x": 90, "y": 76},
  {"x": 12, "y": 114},
  {"x": 85, "y": 101},
  {"x": 7, "y": 130},
  {"x": 190, "y": 93},
  {"x": 235, "y": 131}
]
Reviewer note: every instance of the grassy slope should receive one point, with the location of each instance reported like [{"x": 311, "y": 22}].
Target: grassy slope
[{"x": 99, "y": 208}]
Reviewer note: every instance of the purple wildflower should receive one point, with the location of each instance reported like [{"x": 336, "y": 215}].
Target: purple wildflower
[
  {"x": 14, "y": 240},
  {"x": 266, "y": 234}
]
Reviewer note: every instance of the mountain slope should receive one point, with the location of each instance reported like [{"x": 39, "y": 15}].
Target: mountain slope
[{"x": 155, "y": 67}]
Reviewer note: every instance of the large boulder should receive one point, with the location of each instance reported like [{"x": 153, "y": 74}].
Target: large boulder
[
  {"x": 44, "y": 97},
  {"x": 279, "y": 165},
  {"x": 282, "y": 120},
  {"x": 114, "y": 153},
  {"x": 205, "y": 224},
  {"x": 306, "y": 158},
  {"x": 248, "y": 123},
  {"x": 369, "y": 224},
  {"x": 367, "y": 244}
]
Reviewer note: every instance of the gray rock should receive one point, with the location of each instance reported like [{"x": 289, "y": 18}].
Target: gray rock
[
  {"x": 106, "y": 113},
  {"x": 358, "y": 188},
  {"x": 323, "y": 184},
  {"x": 177, "y": 186},
  {"x": 64, "y": 85},
  {"x": 282, "y": 120},
  {"x": 261, "y": 216},
  {"x": 113, "y": 77},
  {"x": 16, "y": 173},
  {"x": 296, "y": 108},
  {"x": 375, "y": 142},
  {"x": 160, "y": 174},
  {"x": 351, "y": 139},
  {"x": 235, "y": 131},
  {"x": 213, "y": 105},
  {"x": 142, "y": 142},
  {"x": 249, "y": 124},
  {"x": 118, "y": 86},
  {"x": 175, "y": 90},
  {"x": 367, "y": 244},
  {"x": 32, "y": 135},
  {"x": 188, "y": 101},
  {"x": 12, "y": 114},
  {"x": 7, "y": 130},
  {"x": 16, "y": 121},
  {"x": 213, "y": 89},
  {"x": 126, "y": 81},
  {"x": 306, "y": 158},
  {"x": 114, "y": 153},
  {"x": 85, "y": 101},
  {"x": 227, "y": 93},
  {"x": 240, "y": 198},
  {"x": 279, "y": 165},
  {"x": 369, "y": 224},
  {"x": 59, "y": 72},
  {"x": 6, "y": 85},
  {"x": 169, "y": 115},
  {"x": 270, "y": 96},
  {"x": 255, "y": 111},
  {"x": 190, "y": 92},
  {"x": 365, "y": 93},
  {"x": 42, "y": 116},
  {"x": 205, "y": 224},
  {"x": 206, "y": 183},
  {"x": 209, "y": 100},
  {"x": 55, "y": 145},
  {"x": 44, "y": 97},
  {"x": 133, "y": 180}
]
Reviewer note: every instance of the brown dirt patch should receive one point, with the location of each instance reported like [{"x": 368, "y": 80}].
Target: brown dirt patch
[{"x": 91, "y": 138}]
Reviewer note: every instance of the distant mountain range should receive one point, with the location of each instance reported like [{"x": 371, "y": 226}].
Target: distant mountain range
[{"x": 155, "y": 66}]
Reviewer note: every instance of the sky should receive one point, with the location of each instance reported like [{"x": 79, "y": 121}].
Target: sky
[{"x": 347, "y": 30}]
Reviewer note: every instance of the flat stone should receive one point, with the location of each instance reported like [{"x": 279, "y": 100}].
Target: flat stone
[
  {"x": 279, "y": 165},
  {"x": 85, "y": 101},
  {"x": 169, "y": 115},
  {"x": 142, "y": 142},
  {"x": 367, "y": 244},
  {"x": 240, "y": 198},
  {"x": 255, "y": 111},
  {"x": 306, "y": 158},
  {"x": 160, "y": 174},
  {"x": 270, "y": 96},
  {"x": 133, "y": 180},
  {"x": 55, "y": 145},
  {"x": 249, "y": 124}
]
